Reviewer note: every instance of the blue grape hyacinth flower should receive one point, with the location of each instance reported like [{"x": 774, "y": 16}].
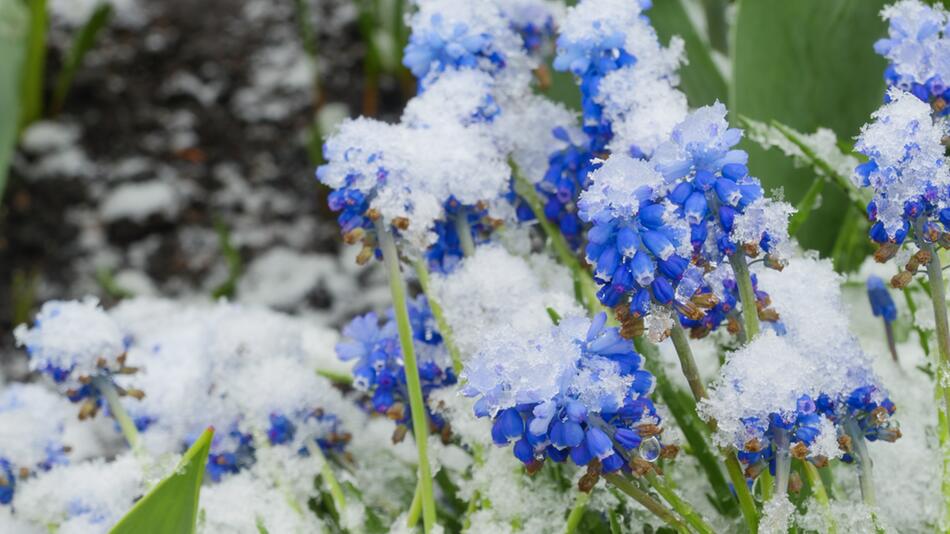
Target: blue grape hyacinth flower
[{"x": 588, "y": 398}]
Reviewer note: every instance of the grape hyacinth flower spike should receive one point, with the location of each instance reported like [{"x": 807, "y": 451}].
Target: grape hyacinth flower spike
[
  {"x": 882, "y": 305},
  {"x": 916, "y": 49},
  {"x": 83, "y": 351},
  {"x": 592, "y": 401},
  {"x": 378, "y": 368}
]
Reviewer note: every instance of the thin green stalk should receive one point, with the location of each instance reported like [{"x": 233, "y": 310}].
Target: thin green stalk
[
  {"x": 939, "y": 299},
  {"x": 691, "y": 372},
  {"x": 682, "y": 507},
  {"x": 750, "y": 313},
  {"x": 783, "y": 462},
  {"x": 577, "y": 512},
  {"x": 681, "y": 406},
  {"x": 746, "y": 503},
  {"x": 585, "y": 288},
  {"x": 818, "y": 490},
  {"x": 648, "y": 502},
  {"x": 464, "y": 231},
  {"x": 333, "y": 486},
  {"x": 397, "y": 287},
  {"x": 766, "y": 484},
  {"x": 422, "y": 273},
  {"x": 31, "y": 95},
  {"x": 415, "y": 508},
  {"x": 118, "y": 412},
  {"x": 687, "y": 362},
  {"x": 859, "y": 448}
]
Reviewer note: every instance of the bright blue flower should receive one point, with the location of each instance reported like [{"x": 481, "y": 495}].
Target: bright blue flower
[
  {"x": 378, "y": 370},
  {"x": 601, "y": 407},
  {"x": 882, "y": 304}
]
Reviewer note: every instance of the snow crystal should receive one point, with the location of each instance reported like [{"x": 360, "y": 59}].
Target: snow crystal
[
  {"x": 765, "y": 217},
  {"x": 243, "y": 503},
  {"x": 766, "y": 376},
  {"x": 641, "y": 108},
  {"x": 89, "y": 497},
  {"x": 618, "y": 186},
  {"x": 494, "y": 291}
]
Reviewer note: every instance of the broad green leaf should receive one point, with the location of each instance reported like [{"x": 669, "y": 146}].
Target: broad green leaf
[
  {"x": 33, "y": 69},
  {"x": 85, "y": 39},
  {"x": 701, "y": 80},
  {"x": 172, "y": 505},
  {"x": 806, "y": 64},
  {"x": 13, "y": 21}
]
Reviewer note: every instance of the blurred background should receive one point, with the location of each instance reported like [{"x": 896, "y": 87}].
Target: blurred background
[{"x": 167, "y": 147}]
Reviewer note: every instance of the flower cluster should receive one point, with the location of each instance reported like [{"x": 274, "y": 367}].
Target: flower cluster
[
  {"x": 628, "y": 96},
  {"x": 660, "y": 224},
  {"x": 379, "y": 369},
  {"x": 917, "y": 49},
  {"x": 79, "y": 346},
  {"x": 814, "y": 388},
  {"x": 577, "y": 391},
  {"x": 906, "y": 170}
]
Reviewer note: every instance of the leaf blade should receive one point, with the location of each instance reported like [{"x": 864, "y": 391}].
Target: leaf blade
[{"x": 172, "y": 505}]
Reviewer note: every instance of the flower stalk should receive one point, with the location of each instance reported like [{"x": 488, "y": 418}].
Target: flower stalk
[
  {"x": 397, "y": 287},
  {"x": 126, "y": 425},
  {"x": 648, "y": 502},
  {"x": 821, "y": 495},
  {"x": 682, "y": 507},
  {"x": 464, "y": 231},
  {"x": 577, "y": 512},
  {"x": 326, "y": 472},
  {"x": 750, "y": 312},
  {"x": 939, "y": 301},
  {"x": 422, "y": 273}
]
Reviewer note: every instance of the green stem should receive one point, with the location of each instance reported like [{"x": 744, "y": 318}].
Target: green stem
[
  {"x": 859, "y": 448},
  {"x": 126, "y": 424},
  {"x": 577, "y": 512},
  {"x": 766, "y": 484},
  {"x": 750, "y": 313},
  {"x": 422, "y": 273},
  {"x": 691, "y": 372},
  {"x": 687, "y": 362},
  {"x": 682, "y": 507},
  {"x": 648, "y": 502},
  {"x": 397, "y": 287},
  {"x": 818, "y": 490},
  {"x": 746, "y": 503},
  {"x": 415, "y": 508},
  {"x": 783, "y": 462},
  {"x": 585, "y": 288},
  {"x": 939, "y": 300},
  {"x": 333, "y": 486},
  {"x": 464, "y": 231}
]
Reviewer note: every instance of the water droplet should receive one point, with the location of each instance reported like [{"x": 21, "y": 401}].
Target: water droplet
[{"x": 650, "y": 449}]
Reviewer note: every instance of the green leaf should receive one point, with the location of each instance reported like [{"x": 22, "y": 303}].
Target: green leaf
[
  {"x": 83, "y": 43},
  {"x": 13, "y": 21},
  {"x": 701, "y": 80},
  {"x": 233, "y": 259},
  {"x": 33, "y": 69},
  {"x": 807, "y": 63},
  {"x": 172, "y": 505}
]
